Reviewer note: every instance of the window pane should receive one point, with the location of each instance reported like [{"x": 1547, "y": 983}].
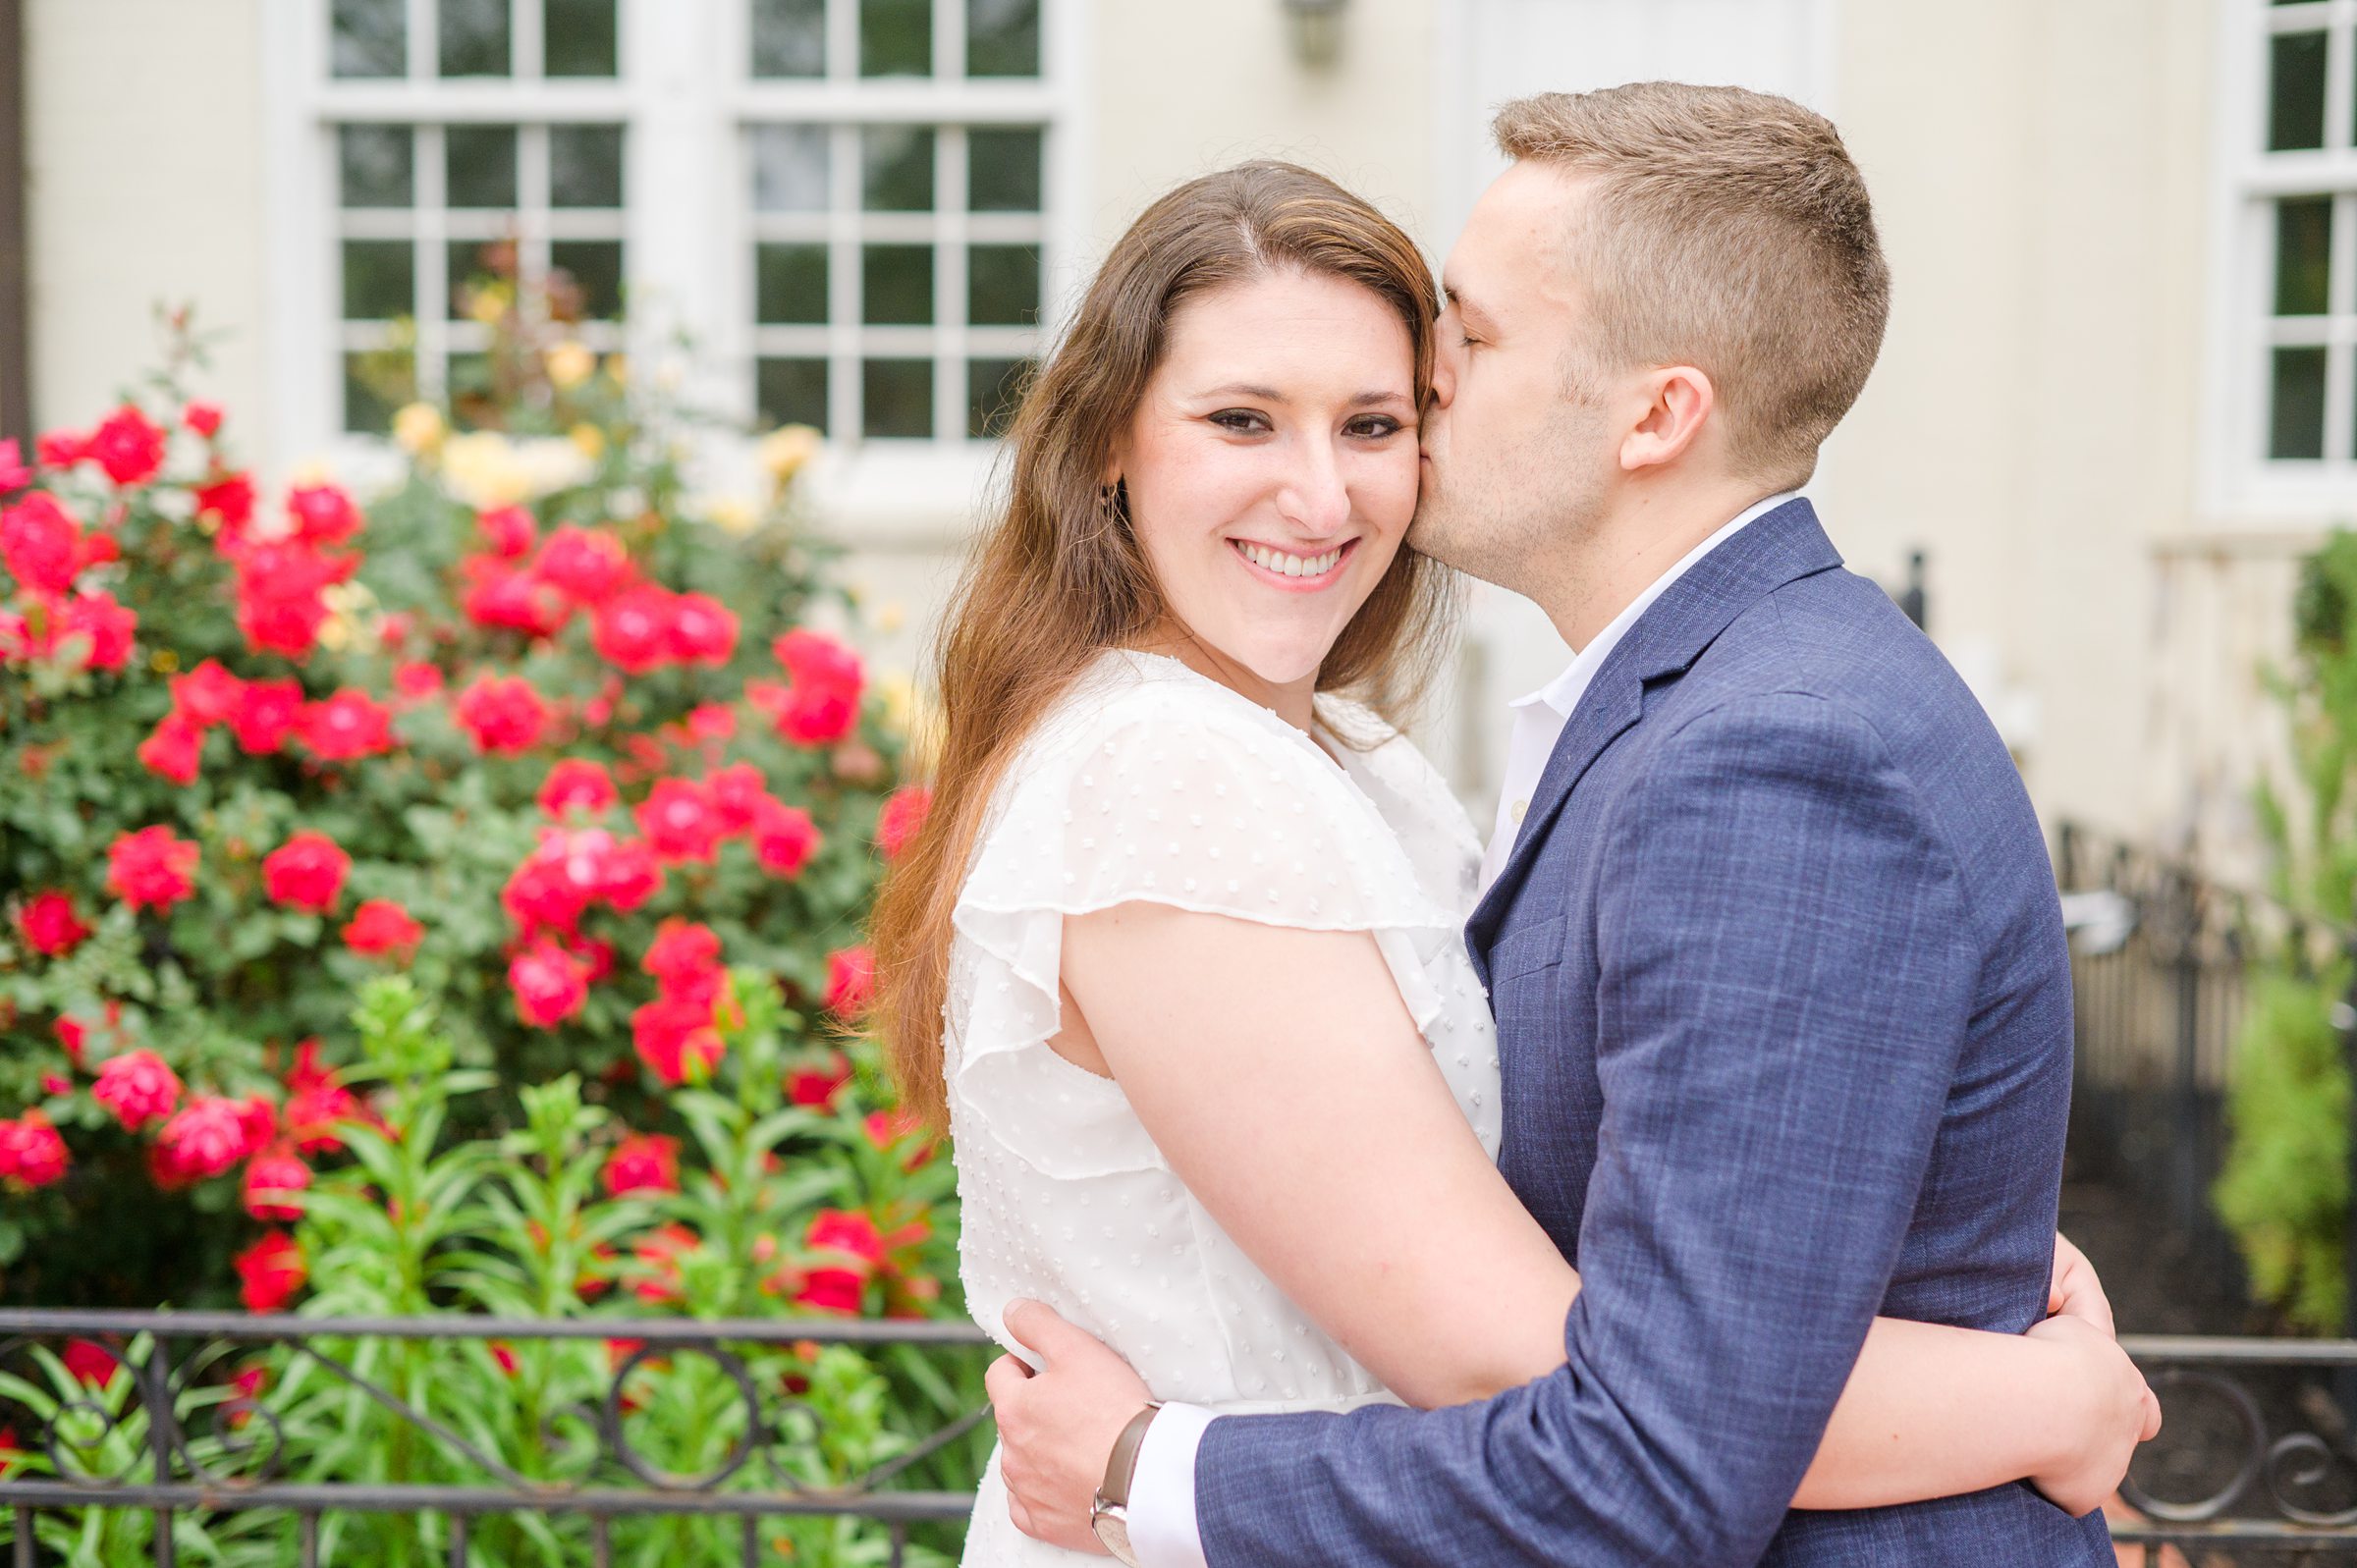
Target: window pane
[
  {"x": 479, "y": 163},
  {"x": 380, "y": 165},
  {"x": 380, "y": 280},
  {"x": 581, "y": 40},
  {"x": 993, "y": 391},
  {"x": 1002, "y": 285},
  {"x": 896, "y": 168},
  {"x": 584, "y": 166},
  {"x": 474, "y": 38},
  {"x": 473, "y": 263},
  {"x": 792, "y": 391},
  {"x": 895, "y": 37},
  {"x": 2296, "y": 92},
  {"x": 371, "y": 38},
  {"x": 896, "y": 398},
  {"x": 1003, "y": 170},
  {"x": 790, "y": 283},
  {"x": 789, "y": 169},
  {"x": 1002, "y": 38},
  {"x": 789, "y": 38},
  {"x": 374, "y": 386},
  {"x": 2298, "y": 425},
  {"x": 2303, "y": 256},
  {"x": 896, "y": 284},
  {"x": 595, "y": 267}
]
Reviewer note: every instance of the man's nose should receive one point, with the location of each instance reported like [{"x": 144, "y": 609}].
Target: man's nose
[{"x": 1444, "y": 377}]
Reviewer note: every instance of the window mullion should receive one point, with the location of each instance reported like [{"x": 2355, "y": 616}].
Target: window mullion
[
  {"x": 432, "y": 206},
  {"x": 844, "y": 417},
  {"x": 527, "y": 52},
  {"x": 425, "y": 40},
  {"x": 950, "y": 280}
]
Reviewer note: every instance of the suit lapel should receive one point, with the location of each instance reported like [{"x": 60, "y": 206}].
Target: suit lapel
[{"x": 1774, "y": 549}]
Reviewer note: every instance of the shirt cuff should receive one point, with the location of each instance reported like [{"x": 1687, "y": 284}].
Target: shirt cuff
[{"x": 1162, "y": 1489}]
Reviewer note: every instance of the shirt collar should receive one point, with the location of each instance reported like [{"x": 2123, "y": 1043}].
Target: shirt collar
[{"x": 1562, "y": 693}]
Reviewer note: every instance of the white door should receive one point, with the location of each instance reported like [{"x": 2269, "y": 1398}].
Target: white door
[{"x": 1494, "y": 50}]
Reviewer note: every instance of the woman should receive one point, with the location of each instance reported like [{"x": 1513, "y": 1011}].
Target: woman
[{"x": 1147, "y": 751}]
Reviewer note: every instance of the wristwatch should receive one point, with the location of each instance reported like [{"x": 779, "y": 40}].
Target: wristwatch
[{"x": 1109, "y": 1511}]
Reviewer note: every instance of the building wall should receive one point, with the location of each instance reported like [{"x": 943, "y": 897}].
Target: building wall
[{"x": 143, "y": 186}]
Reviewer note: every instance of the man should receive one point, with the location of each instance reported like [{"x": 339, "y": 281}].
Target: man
[{"x": 1772, "y": 939}]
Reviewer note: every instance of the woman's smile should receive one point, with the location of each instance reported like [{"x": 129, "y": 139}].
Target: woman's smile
[{"x": 1294, "y": 571}]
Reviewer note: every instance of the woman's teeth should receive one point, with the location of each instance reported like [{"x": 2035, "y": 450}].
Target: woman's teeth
[{"x": 1283, "y": 564}]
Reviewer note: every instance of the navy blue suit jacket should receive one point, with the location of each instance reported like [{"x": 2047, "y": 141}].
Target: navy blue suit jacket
[{"x": 1783, "y": 1009}]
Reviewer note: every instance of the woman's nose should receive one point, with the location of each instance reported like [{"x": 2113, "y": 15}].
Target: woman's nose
[{"x": 1315, "y": 498}]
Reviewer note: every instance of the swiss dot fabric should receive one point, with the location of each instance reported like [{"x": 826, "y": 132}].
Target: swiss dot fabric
[{"x": 1150, "y": 783}]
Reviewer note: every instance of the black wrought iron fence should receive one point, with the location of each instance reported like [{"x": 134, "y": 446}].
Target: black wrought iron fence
[{"x": 140, "y": 1414}]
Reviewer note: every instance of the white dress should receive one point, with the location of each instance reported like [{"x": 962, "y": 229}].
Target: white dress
[{"x": 1151, "y": 783}]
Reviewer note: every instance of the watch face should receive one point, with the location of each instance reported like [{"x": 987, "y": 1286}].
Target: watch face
[{"x": 1113, "y": 1529}]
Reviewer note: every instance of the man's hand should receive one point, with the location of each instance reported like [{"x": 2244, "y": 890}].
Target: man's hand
[
  {"x": 1057, "y": 1427},
  {"x": 2103, "y": 1412},
  {"x": 2075, "y": 1290}
]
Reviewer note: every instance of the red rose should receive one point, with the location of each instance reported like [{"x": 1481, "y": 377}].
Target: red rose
[
  {"x": 272, "y": 1270},
  {"x": 498, "y": 594},
  {"x": 31, "y": 1150},
  {"x": 40, "y": 543},
  {"x": 683, "y": 952},
  {"x": 818, "y": 1088},
  {"x": 279, "y": 605},
  {"x": 628, "y": 875},
  {"x": 703, "y": 630},
  {"x": 203, "y": 418},
  {"x": 632, "y": 630},
  {"x": 126, "y": 447},
  {"x": 108, "y": 626},
  {"x": 228, "y": 496},
  {"x": 889, "y": 1129},
  {"x": 205, "y": 1137},
  {"x": 89, "y": 1363},
  {"x": 841, "y": 1286},
  {"x": 50, "y": 925},
  {"x": 784, "y": 838},
  {"x": 207, "y": 694},
  {"x": 306, "y": 872},
  {"x": 381, "y": 926},
  {"x": 903, "y": 815},
  {"x": 416, "y": 680},
  {"x": 586, "y": 566},
  {"x": 507, "y": 531},
  {"x": 576, "y": 783},
  {"x": 350, "y": 724},
  {"x": 504, "y": 714},
  {"x": 644, "y": 1161},
  {"x": 737, "y": 792},
  {"x": 821, "y": 703},
  {"x": 151, "y": 869},
  {"x": 265, "y": 713},
  {"x": 13, "y": 475},
  {"x": 679, "y": 819},
  {"x": 272, "y": 1177},
  {"x": 658, "y": 1254},
  {"x": 675, "y": 1038},
  {"x": 550, "y": 984},
  {"x": 173, "y": 750},
  {"x": 59, "y": 449},
  {"x": 316, "y": 1104},
  {"x": 139, "y": 1088},
  {"x": 712, "y": 721},
  {"x": 322, "y": 514},
  {"x": 851, "y": 981}
]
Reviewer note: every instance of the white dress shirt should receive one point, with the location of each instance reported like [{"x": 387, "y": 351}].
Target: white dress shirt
[{"x": 1162, "y": 1492}]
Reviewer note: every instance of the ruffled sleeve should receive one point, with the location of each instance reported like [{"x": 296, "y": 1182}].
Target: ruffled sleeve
[{"x": 1167, "y": 790}]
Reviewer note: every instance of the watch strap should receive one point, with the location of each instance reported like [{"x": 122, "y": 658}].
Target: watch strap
[{"x": 1121, "y": 1467}]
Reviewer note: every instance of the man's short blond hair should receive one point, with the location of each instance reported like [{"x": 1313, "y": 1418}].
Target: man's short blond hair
[{"x": 1727, "y": 229}]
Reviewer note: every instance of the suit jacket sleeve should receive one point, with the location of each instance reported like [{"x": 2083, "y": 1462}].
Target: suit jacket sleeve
[{"x": 1784, "y": 977}]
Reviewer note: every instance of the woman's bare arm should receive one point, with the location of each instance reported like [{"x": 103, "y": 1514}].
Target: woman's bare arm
[{"x": 1281, "y": 1074}]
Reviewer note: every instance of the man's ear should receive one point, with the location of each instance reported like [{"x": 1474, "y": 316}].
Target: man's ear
[{"x": 1678, "y": 401}]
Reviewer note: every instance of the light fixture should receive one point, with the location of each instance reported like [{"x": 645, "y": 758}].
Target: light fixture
[{"x": 1316, "y": 26}]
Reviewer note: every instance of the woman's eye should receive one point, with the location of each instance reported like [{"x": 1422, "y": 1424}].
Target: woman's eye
[
  {"x": 1376, "y": 426},
  {"x": 1239, "y": 420}
]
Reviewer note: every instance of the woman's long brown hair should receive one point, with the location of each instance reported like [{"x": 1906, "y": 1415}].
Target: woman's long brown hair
[{"x": 1055, "y": 575}]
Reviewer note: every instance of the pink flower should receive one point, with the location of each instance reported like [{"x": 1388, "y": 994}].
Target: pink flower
[
  {"x": 644, "y": 1161},
  {"x": 207, "y": 694},
  {"x": 851, "y": 1237},
  {"x": 173, "y": 748},
  {"x": 272, "y": 1177},
  {"x": 89, "y": 1363},
  {"x": 818, "y": 1089},
  {"x": 138, "y": 1087},
  {"x": 504, "y": 714},
  {"x": 228, "y": 496},
  {"x": 737, "y": 792},
  {"x": 784, "y": 838},
  {"x": 203, "y": 418},
  {"x": 851, "y": 981},
  {"x": 679, "y": 821},
  {"x": 108, "y": 626},
  {"x": 821, "y": 703},
  {"x": 349, "y": 724},
  {"x": 40, "y": 543},
  {"x": 500, "y": 593},
  {"x": 151, "y": 869},
  {"x": 632, "y": 630},
  {"x": 576, "y": 783},
  {"x": 903, "y": 815},
  {"x": 675, "y": 1038},
  {"x": 306, "y": 872},
  {"x": 703, "y": 630},
  {"x": 13, "y": 475},
  {"x": 585, "y": 566},
  {"x": 682, "y": 952},
  {"x": 126, "y": 447},
  {"x": 61, "y": 449},
  {"x": 416, "y": 680},
  {"x": 265, "y": 713},
  {"x": 279, "y": 586},
  {"x": 50, "y": 925},
  {"x": 381, "y": 926},
  {"x": 207, "y": 1136},
  {"x": 322, "y": 514},
  {"x": 272, "y": 1270},
  {"x": 507, "y": 531},
  {"x": 31, "y": 1150},
  {"x": 549, "y": 983}
]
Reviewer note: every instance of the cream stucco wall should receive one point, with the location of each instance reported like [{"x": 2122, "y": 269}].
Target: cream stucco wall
[{"x": 143, "y": 186}]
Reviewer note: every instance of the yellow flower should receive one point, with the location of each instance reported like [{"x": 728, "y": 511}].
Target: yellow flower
[
  {"x": 164, "y": 662},
  {"x": 417, "y": 428},
  {"x": 335, "y": 632},
  {"x": 571, "y": 364},
  {"x": 590, "y": 439},
  {"x": 618, "y": 369},
  {"x": 731, "y": 514},
  {"x": 889, "y": 617},
  {"x": 489, "y": 302},
  {"x": 786, "y": 450}
]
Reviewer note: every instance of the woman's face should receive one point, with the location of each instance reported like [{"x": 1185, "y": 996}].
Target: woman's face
[{"x": 1272, "y": 466}]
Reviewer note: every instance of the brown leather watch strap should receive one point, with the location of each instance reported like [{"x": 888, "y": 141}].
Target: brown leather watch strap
[{"x": 1122, "y": 1464}]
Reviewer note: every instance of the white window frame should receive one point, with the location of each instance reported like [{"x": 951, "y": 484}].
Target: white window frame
[
  {"x": 2241, "y": 484},
  {"x": 684, "y": 98}
]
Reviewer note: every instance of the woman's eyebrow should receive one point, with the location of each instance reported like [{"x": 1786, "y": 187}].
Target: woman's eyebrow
[{"x": 1239, "y": 389}]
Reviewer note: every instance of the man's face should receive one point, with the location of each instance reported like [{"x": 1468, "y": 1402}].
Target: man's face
[{"x": 1517, "y": 460}]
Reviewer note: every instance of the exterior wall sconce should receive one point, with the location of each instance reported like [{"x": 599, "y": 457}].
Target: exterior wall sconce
[{"x": 1316, "y": 26}]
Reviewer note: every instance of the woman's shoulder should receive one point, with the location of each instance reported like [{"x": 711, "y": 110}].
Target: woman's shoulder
[{"x": 1134, "y": 709}]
